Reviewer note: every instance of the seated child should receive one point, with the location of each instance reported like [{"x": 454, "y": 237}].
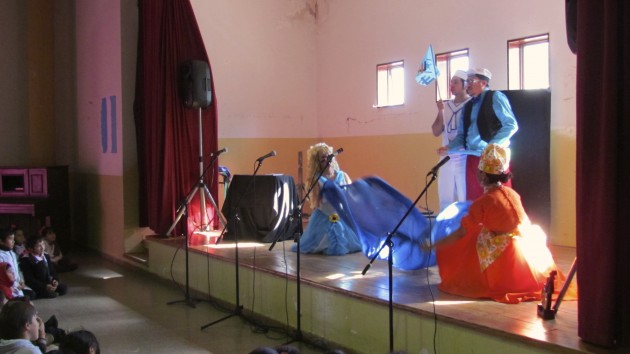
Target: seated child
[
  {"x": 7, "y": 279},
  {"x": 51, "y": 247},
  {"x": 20, "y": 240},
  {"x": 80, "y": 342},
  {"x": 51, "y": 332},
  {"x": 19, "y": 327},
  {"x": 7, "y": 255},
  {"x": 39, "y": 271}
]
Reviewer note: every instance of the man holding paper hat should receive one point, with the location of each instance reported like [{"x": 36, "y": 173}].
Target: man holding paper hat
[
  {"x": 452, "y": 177},
  {"x": 487, "y": 119}
]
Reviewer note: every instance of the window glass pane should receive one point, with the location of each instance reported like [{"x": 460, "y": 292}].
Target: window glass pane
[
  {"x": 382, "y": 88},
  {"x": 459, "y": 63},
  {"x": 536, "y": 66},
  {"x": 514, "y": 68},
  {"x": 442, "y": 80},
  {"x": 397, "y": 86},
  {"x": 390, "y": 84},
  {"x": 528, "y": 63}
]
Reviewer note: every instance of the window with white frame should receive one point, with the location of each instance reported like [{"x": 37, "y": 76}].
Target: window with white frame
[
  {"x": 390, "y": 84},
  {"x": 448, "y": 63},
  {"x": 528, "y": 63}
]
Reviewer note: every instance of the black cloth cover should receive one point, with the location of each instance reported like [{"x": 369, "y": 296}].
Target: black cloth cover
[{"x": 264, "y": 205}]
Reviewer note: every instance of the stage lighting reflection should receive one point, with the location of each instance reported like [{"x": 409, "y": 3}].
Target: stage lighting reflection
[
  {"x": 449, "y": 212},
  {"x": 354, "y": 275},
  {"x": 232, "y": 245},
  {"x": 452, "y": 302},
  {"x": 98, "y": 273},
  {"x": 335, "y": 276},
  {"x": 536, "y": 329}
]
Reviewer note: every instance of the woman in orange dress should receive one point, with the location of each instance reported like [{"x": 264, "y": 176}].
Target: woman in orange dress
[{"x": 496, "y": 253}]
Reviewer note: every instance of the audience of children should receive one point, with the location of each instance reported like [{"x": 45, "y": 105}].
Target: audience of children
[
  {"x": 21, "y": 329},
  {"x": 28, "y": 272},
  {"x": 62, "y": 264},
  {"x": 7, "y": 241},
  {"x": 39, "y": 271}
]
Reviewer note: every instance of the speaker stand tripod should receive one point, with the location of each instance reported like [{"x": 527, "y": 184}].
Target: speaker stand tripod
[{"x": 203, "y": 191}]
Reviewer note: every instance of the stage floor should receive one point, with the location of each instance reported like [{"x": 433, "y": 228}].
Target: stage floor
[{"x": 414, "y": 291}]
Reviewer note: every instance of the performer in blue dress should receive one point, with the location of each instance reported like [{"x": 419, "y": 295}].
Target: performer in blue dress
[{"x": 326, "y": 233}]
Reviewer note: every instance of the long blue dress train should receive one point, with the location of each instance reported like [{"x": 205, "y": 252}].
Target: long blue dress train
[
  {"x": 326, "y": 233},
  {"x": 373, "y": 208}
]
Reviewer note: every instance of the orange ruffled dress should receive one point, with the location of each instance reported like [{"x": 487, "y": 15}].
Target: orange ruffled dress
[{"x": 502, "y": 256}]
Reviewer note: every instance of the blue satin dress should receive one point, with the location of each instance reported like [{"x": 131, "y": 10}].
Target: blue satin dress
[{"x": 326, "y": 233}]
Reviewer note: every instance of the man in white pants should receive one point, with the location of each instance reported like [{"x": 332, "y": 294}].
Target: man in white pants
[{"x": 452, "y": 176}]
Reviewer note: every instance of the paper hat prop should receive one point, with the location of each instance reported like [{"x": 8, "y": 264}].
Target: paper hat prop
[
  {"x": 461, "y": 74},
  {"x": 484, "y": 73},
  {"x": 495, "y": 160}
]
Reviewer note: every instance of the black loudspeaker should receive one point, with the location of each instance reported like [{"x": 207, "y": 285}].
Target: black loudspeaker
[
  {"x": 570, "y": 7},
  {"x": 195, "y": 84}
]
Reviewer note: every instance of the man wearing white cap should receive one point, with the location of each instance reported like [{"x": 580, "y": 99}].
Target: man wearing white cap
[
  {"x": 487, "y": 119},
  {"x": 452, "y": 177}
]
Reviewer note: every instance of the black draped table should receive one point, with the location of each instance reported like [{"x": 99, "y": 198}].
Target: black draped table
[{"x": 264, "y": 205}]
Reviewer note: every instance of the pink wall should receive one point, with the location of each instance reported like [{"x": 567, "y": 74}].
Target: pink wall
[
  {"x": 14, "y": 97},
  {"x": 263, "y": 56},
  {"x": 99, "y": 92}
]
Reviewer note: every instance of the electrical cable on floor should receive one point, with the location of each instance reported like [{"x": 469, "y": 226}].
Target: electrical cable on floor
[
  {"x": 255, "y": 326},
  {"x": 426, "y": 204},
  {"x": 283, "y": 331},
  {"x": 210, "y": 299},
  {"x": 286, "y": 286},
  {"x": 171, "y": 269}
]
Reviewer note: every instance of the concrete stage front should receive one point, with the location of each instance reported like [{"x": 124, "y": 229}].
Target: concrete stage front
[{"x": 343, "y": 308}]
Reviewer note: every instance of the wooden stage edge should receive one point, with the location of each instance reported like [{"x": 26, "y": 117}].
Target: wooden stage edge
[{"x": 414, "y": 291}]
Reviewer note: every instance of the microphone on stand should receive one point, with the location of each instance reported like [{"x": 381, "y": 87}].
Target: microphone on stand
[
  {"x": 435, "y": 168},
  {"x": 260, "y": 159},
  {"x": 337, "y": 152},
  {"x": 217, "y": 153}
]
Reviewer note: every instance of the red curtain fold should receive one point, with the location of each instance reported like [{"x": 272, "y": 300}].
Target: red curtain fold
[
  {"x": 603, "y": 151},
  {"x": 167, "y": 131}
]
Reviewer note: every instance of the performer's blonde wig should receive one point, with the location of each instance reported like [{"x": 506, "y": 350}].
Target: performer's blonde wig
[{"x": 313, "y": 154}]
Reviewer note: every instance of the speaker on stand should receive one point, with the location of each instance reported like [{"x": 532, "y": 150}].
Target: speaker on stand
[
  {"x": 570, "y": 8},
  {"x": 195, "y": 84},
  {"x": 196, "y": 91}
]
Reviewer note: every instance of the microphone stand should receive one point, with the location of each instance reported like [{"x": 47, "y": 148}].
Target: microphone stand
[
  {"x": 234, "y": 217},
  {"x": 297, "y": 214},
  {"x": 390, "y": 262},
  {"x": 181, "y": 210}
]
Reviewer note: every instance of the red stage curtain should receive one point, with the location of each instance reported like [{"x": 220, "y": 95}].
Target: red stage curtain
[
  {"x": 603, "y": 187},
  {"x": 167, "y": 131}
]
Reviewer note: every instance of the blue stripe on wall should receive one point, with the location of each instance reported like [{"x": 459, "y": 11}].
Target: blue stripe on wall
[
  {"x": 104, "y": 125},
  {"x": 114, "y": 131}
]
